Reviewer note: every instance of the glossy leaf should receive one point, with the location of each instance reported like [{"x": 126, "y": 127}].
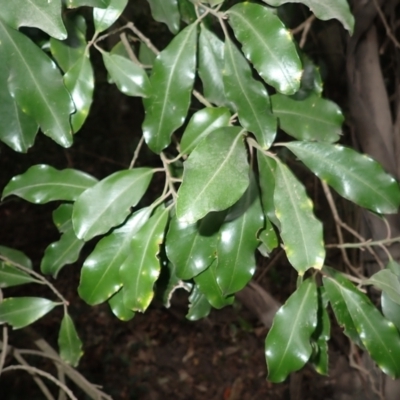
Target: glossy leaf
[
  {"x": 311, "y": 80},
  {"x": 324, "y": 10},
  {"x": 108, "y": 203},
  {"x": 211, "y": 65},
  {"x": 339, "y": 307},
  {"x": 321, "y": 335},
  {"x": 68, "y": 52},
  {"x": 379, "y": 336},
  {"x": 208, "y": 285},
  {"x": 118, "y": 308},
  {"x": 394, "y": 266},
  {"x": 214, "y": 164},
  {"x": 390, "y": 310},
  {"x": 43, "y": 183},
  {"x": 142, "y": 268},
  {"x": 267, "y": 168},
  {"x": 268, "y": 237},
  {"x": 287, "y": 346},
  {"x": 36, "y": 85},
  {"x": 130, "y": 78},
  {"x": 354, "y": 176},
  {"x": 172, "y": 81},
  {"x": 23, "y": 311},
  {"x": 69, "y": 343},
  {"x": 268, "y": 45},
  {"x": 12, "y": 276},
  {"x": 166, "y": 11},
  {"x": 388, "y": 282},
  {"x": 199, "y": 306},
  {"x": 202, "y": 123},
  {"x": 187, "y": 11},
  {"x": 301, "y": 232},
  {"x": 60, "y": 253},
  {"x": 100, "y": 272},
  {"x": 90, "y": 3},
  {"x": 104, "y": 18},
  {"x": 42, "y": 14},
  {"x": 79, "y": 80},
  {"x": 62, "y": 216},
  {"x": 17, "y": 129},
  {"x": 248, "y": 96},
  {"x": 312, "y": 118},
  {"x": 238, "y": 242},
  {"x": 14, "y": 256},
  {"x": 146, "y": 56},
  {"x": 192, "y": 247}
]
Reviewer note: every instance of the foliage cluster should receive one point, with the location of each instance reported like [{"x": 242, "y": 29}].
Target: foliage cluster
[{"x": 229, "y": 189}]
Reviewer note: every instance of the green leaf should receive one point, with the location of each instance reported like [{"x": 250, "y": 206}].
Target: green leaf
[
  {"x": 391, "y": 310},
  {"x": 216, "y": 162},
  {"x": 354, "y": 176},
  {"x": 211, "y": 65},
  {"x": 166, "y": 11},
  {"x": 65, "y": 251},
  {"x": 100, "y": 272},
  {"x": 172, "y": 80},
  {"x": 12, "y": 276},
  {"x": 202, "y": 123},
  {"x": 187, "y": 11},
  {"x": 388, "y": 282},
  {"x": 15, "y": 257},
  {"x": 248, "y": 96},
  {"x": 104, "y": 18},
  {"x": 17, "y": 129},
  {"x": 42, "y": 183},
  {"x": 62, "y": 216},
  {"x": 69, "y": 343},
  {"x": 313, "y": 118},
  {"x": 287, "y": 346},
  {"x": 142, "y": 268},
  {"x": 339, "y": 307},
  {"x": 301, "y": 232},
  {"x": 199, "y": 306},
  {"x": 394, "y": 266},
  {"x": 268, "y": 237},
  {"x": 192, "y": 247},
  {"x": 36, "y": 85},
  {"x": 146, "y": 56},
  {"x": 268, "y": 45},
  {"x": 338, "y": 9},
  {"x": 130, "y": 78},
  {"x": 90, "y": 3},
  {"x": 23, "y": 311},
  {"x": 321, "y": 335},
  {"x": 68, "y": 52},
  {"x": 311, "y": 80},
  {"x": 42, "y": 14},
  {"x": 236, "y": 262},
  {"x": 108, "y": 203},
  {"x": 267, "y": 168},
  {"x": 118, "y": 308},
  {"x": 207, "y": 283},
  {"x": 379, "y": 336},
  {"x": 79, "y": 80}
]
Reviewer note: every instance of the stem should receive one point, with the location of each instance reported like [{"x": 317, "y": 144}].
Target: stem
[
  {"x": 37, "y": 371},
  {"x": 41, "y": 279},
  {"x": 367, "y": 243},
  {"x": 136, "y": 153}
]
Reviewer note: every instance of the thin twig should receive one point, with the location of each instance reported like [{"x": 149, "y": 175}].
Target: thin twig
[
  {"x": 136, "y": 153},
  {"x": 338, "y": 226},
  {"x": 39, "y": 382},
  {"x": 4, "y": 348},
  {"x": 38, "y": 371},
  {"x": 168, "y": 175},
  {"x": 365, "y": 244},
  {"x": 40, "y": 278},
  {"x": 386, "y": 25}
]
